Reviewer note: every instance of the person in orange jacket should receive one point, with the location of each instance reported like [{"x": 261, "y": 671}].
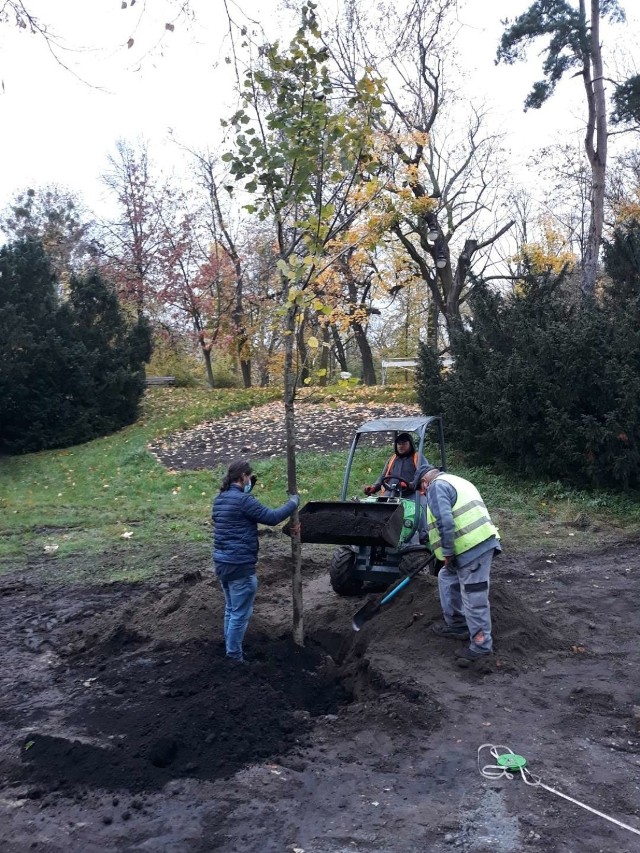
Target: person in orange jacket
[{"x": 406, "y": 464}]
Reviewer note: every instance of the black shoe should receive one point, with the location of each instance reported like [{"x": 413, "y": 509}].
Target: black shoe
[
  {"x": 441, "y": 629},
  {"x": 468, "y": 657}
]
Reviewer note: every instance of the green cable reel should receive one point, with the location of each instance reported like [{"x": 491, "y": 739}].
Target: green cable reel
[{"x": 512, "y": 762}]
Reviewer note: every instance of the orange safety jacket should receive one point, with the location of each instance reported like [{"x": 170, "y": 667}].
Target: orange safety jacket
[{"x": 391, "y": 463}]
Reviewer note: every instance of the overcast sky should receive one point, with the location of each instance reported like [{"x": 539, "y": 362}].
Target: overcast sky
[{"x": 57, "y": 128}]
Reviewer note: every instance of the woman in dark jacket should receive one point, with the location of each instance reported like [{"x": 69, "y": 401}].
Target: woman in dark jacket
[{"x": 236, "y": 515}]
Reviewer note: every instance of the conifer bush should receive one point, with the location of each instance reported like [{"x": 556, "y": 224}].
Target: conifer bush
[
  {"x": 547, "y": 386},
  {"x": 71, "y": 369}
]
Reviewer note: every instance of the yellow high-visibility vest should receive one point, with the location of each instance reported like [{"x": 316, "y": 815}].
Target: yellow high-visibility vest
[{"x": 470, "y": 517}]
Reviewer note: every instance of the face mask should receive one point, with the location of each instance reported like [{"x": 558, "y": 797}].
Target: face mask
[{"x": 248, "y": 487}]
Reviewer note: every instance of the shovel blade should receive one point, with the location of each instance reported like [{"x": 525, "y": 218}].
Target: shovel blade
[{"x": 366, "y": 612}]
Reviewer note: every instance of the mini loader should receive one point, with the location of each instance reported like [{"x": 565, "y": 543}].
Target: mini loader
[{"x": 378, "y": 537}]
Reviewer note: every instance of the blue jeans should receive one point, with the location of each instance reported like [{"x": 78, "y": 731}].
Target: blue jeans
[
  {"x": 239, "y": 596},
  {"x": 464, "y": 596}
]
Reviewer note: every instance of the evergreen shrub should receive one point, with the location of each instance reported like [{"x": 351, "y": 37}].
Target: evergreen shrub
[
  {"x": 548, "y": 387},
  {"x": 70, "y": 369}
]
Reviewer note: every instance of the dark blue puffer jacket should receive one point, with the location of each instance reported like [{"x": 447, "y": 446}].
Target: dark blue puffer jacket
[{"x": 236, "y": 515}]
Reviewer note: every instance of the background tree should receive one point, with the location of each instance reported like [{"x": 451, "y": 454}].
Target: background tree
[
  {"x": 445, "y": 173},
  {"x": 69, "y": 370},
  {"x": 58, "y": 219},
  {"x": 626, "y": 102},
  {"x": 566, "y": 198},
  {"x": 131, "y": 243},
  {"x": 228, "y": 243},
  {"x": 560, "y": 384},
  {"x": 622, "y": 260},
  {"x": 195, "y": 285},
  {"x": 574, "y": 46}
]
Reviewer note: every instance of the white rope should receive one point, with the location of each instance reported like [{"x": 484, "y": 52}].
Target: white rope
[{"x": 496, "y": 771}]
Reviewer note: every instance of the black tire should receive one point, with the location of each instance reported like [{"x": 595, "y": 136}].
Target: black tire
[
  {"x": 413, "y": 560},
  {"x": 343, "y": 564}
]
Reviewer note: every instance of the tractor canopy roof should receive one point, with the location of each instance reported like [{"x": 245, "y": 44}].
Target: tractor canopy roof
[{"x": 415, "y": 423}]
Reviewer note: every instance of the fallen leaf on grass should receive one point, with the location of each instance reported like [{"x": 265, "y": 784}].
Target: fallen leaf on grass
[
  {"x": 50, "y": 549},
  {"x": 127, "y": 534}
]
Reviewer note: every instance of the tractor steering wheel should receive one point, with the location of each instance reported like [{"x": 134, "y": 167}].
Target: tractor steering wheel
[{"x": 391, "y": 484}]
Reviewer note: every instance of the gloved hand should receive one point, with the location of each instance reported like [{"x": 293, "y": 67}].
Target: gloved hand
[
  {"x": 370, "y": 490},
  {"x": 254, "y": 478},
  {"x": 403, "y": 484},
  {"x": 295, "y": 499}
]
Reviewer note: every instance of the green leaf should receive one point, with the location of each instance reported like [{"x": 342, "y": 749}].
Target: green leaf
[{"x": 227, "y": 157}]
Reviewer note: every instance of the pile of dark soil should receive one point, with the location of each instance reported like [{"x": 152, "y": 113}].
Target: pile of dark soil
[
  {"x": 351, "y": 523},
  {"x": 148, "y": 719},
  {"x": 160, "y": 616},
  {"x": 177, "y": 611},
  {"x": 522, "y": 631}
]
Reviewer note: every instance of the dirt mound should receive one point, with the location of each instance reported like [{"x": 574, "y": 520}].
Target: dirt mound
[
  {"x": 148, "y": 719},
  {"x": 166, "y": 614},
  {"x": 521, "y": 631},
  {"x": 169, "y": 613}
]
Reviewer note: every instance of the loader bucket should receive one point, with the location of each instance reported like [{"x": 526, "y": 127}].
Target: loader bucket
[{"x": 351, "y": 523}]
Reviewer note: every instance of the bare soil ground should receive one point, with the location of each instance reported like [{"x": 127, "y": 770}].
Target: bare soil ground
[{"x": 123, "y": 728}]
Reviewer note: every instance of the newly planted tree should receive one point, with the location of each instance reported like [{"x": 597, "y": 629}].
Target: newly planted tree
[{"x": 299, "y": 149}]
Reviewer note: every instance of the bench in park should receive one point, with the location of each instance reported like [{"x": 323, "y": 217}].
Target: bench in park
[
  {"x": 160, "y": 380},
  {"x": 392, "y": 363}
]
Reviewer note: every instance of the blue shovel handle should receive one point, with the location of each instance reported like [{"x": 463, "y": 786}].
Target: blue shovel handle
[{"x": 396, "y": 590}]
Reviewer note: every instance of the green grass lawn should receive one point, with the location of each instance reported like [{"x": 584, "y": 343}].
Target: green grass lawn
[{"x": 111, "y": 496}]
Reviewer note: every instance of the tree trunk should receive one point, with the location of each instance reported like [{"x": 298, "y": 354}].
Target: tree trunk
[
  {"x": 338, "y": 347},
  {"x": 432, "y": 325},
  {"x": 206, "y": 352},
  {"x": 292, "y": 486},
  {"x": 324, "y": 356},
  {"x": 596, "y": 147},
  {"x": 303, "y": 352},
  {"x": 245, "y": 367},
  {"x": 368, "y": 370}
]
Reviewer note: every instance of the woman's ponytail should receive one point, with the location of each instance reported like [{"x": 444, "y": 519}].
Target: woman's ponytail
[{"x": 236, "y": 470}]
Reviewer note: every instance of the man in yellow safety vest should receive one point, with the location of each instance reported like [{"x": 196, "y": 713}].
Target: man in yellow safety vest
[{"x": 463, "y": 537}]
